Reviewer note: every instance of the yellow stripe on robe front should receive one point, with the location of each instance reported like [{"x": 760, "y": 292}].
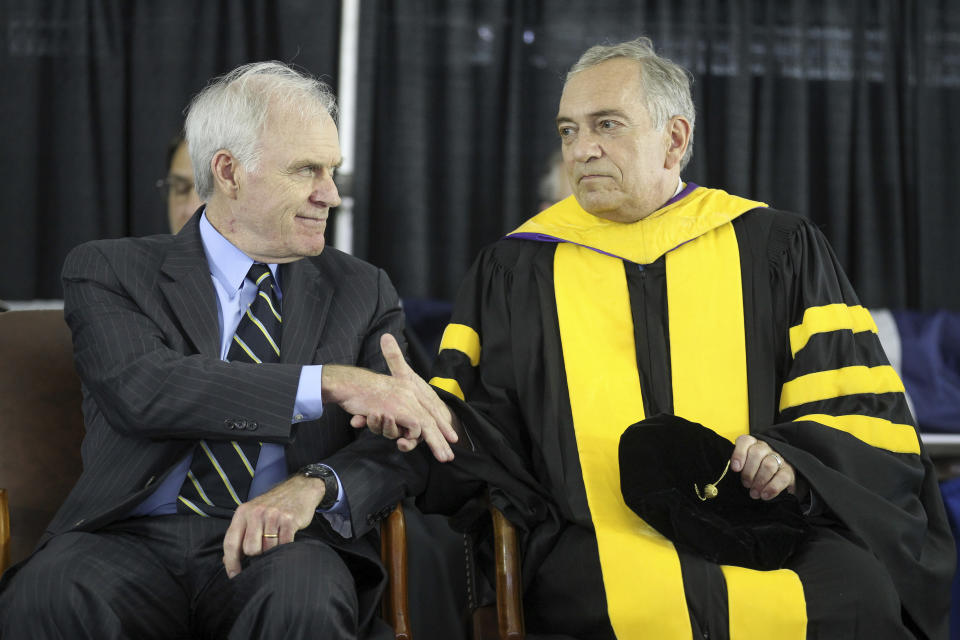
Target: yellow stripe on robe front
[
  {"x": 708, "y": 354},
  {"x": 777, "y": 611},
  {"x": 641, "y": 570},
  {"x": 708, "y": 359}
]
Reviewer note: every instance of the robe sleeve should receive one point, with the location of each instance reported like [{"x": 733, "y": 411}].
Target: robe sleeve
[
  {"x": 474, "y": 372},
  {"x": 843, "y": 422}
]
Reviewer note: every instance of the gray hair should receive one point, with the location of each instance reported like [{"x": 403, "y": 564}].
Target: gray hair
[
  {"x": 231, "y": 112},
  {"x": 666, "y": 85}
]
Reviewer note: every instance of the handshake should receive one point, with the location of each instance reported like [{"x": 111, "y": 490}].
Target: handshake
[{"x": 400, "y": 406}]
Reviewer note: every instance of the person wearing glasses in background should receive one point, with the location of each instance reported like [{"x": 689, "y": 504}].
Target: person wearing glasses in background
[{"x": 177, "y": 188}]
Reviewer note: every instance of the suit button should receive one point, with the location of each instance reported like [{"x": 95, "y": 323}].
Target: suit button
[
  {"x": 230, "y": 424},
  {"x": 252, "y": 425}
]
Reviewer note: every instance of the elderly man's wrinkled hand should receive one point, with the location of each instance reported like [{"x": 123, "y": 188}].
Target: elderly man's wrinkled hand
[
  {"x": 270, "y": 520},
  {"x": 762, "y": 470},
  {"x": 399, "y": 406}
]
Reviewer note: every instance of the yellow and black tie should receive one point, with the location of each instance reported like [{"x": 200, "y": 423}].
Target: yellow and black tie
[{"x": 220, "y": 474}]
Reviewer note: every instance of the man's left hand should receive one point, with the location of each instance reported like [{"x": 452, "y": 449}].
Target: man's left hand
[
  {"x": 762, "y": 470},
  {"x": 270, "y": 519}
]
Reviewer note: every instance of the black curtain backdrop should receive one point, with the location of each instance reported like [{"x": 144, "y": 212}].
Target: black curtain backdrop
[
  {"x": 842, "y": 111},
  {"x": 92, "y": 93}
]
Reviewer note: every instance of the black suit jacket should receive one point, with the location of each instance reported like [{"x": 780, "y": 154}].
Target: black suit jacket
[{"x": 144, "y": 318}]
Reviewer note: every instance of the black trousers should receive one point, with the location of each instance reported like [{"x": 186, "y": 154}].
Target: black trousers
[{"x": 163, "y": 577}]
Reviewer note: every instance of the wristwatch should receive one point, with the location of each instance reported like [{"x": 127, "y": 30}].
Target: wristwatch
[{"x": 331, "y": 486}]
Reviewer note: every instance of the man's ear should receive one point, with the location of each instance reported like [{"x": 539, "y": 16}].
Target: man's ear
[
  {"x": 677, "y": 136},
  {"x": 226, "y": 170}
]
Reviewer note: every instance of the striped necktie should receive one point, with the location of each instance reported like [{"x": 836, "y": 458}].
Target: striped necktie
[{"x": 221, "y": 471}]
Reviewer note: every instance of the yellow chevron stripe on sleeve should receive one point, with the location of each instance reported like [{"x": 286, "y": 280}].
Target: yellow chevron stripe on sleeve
[
  {"x": 831, "y": 317},
  {"x": 462, "y": 338},
  {"x": 449, "y": 385},
  {"x": 877, "y": 432},
  {"x": 834, "y": 383}
]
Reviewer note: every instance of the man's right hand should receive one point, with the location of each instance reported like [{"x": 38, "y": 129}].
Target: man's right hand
[{"x": 399, "y": 406}]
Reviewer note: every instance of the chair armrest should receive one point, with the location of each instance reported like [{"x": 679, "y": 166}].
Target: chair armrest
[
  {"x": 393, "y": 552},
  {"x": 509, "y": 582},
  {"x": 4, "y": 532}
]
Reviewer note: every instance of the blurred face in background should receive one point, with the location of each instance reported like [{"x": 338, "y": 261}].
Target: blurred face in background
[{"x": 182, "y": 199}]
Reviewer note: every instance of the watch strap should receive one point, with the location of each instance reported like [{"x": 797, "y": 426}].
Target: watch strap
[{"x": 331, "y": 489}]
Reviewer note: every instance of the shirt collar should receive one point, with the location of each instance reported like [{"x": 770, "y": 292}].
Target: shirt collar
[{"x": 228, "y": 264}]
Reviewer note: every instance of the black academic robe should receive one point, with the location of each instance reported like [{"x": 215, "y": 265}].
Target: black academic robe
[{"x": 511, "y": 372}]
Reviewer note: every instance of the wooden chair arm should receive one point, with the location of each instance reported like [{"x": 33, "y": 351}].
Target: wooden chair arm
[
  {"x": 509, "y": 582},
  {"x": 393, "y": 552},
  {"x": 4, "y": 532}
]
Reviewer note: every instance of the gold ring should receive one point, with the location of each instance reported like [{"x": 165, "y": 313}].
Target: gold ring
[{"x": 270, "y": 535}]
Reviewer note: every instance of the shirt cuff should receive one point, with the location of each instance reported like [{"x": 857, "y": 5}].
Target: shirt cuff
[{"x": 309, "y": 402}]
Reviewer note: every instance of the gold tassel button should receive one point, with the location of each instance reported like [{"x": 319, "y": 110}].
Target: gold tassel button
[{"x": 710, "y": 491}]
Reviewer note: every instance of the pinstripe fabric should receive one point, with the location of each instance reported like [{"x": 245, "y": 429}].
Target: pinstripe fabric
[
  {"x": 221, "y": 471},
  {"x": 146, "y": 345},
  {"x": 149, "y": 570}
]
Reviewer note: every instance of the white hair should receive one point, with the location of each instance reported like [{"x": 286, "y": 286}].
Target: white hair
[
  {"x": 231, "y": 112},
  {"x": 666, "y": 85}
]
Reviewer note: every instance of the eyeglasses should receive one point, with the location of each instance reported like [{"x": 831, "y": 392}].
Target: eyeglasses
[{"x": 174, "y": 188}]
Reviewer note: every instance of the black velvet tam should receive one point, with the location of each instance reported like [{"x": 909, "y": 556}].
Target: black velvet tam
[{"x": 663, "y": 457}]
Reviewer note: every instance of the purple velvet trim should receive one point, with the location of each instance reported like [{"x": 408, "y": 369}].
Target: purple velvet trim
[
  {"x": 543, "y": 237},
  {"x": 683, "y": 194}
]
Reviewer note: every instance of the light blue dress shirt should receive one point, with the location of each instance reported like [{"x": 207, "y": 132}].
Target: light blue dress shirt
[{"x": 228, "y": 270}]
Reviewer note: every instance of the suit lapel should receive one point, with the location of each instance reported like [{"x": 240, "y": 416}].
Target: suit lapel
[
  {"x": 189, "y": 290},
  {"x": 306, "y": 301}
]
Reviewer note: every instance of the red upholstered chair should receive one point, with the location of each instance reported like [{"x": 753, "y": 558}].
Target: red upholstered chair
[{"x": 42, "y": 426}]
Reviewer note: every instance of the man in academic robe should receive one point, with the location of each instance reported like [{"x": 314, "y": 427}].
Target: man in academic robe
[{"x": 642, "y": 294}]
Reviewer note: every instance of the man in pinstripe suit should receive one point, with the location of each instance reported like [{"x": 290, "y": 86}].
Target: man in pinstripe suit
[{"x": 152, "y": 322}]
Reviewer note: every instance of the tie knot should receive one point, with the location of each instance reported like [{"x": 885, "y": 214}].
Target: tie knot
[{"x": 258, "y": 273}]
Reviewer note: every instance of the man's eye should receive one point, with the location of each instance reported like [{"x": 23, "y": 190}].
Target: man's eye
[
  {"x": 608, "y": 124},
  {"x": 179, "y": 186},
  {"x": 566, "y": 132},
  {"x": 307, "y": 171}
]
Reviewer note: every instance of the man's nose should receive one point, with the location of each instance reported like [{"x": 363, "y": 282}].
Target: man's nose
[
  {"x": 586, "y": 146},
  {"x": 325, "y": 191}
]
